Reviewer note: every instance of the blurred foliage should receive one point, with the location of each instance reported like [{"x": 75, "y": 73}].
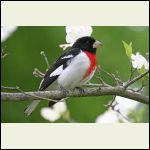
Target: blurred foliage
[
  {"x": 24, "y": 47},
  {"x": 139, "y": 115}
]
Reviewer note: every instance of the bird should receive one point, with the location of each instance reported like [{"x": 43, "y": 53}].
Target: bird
[{"x": 75, "y": 67}]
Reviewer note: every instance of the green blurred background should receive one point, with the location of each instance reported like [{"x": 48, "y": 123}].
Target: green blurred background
[{"x": 24, "y": 47}]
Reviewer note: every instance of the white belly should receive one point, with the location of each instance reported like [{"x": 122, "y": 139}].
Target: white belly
[
  {"x": 87, "y": 79},
  {"x": 71, "y": 77}
]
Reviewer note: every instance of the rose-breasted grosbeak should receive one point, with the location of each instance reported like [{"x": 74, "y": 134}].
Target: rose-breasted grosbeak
[{"x": 72, "y": 69}]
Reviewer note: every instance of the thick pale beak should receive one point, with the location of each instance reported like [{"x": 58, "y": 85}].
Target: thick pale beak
[{"x": 97, "y": 44}]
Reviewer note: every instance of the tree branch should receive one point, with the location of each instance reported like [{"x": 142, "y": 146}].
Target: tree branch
[
  {"x": 135, "y": 79},
  {"x": 101, "y": 91}
]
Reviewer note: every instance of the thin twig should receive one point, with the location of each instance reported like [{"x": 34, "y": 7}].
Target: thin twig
[
  {"x": 123, "y": 116},
  {"x": 38, "y": 73},
  {"x": 118, "y": 81},
  {"x": 138, "y": 90},
  {"x": 94, "y": 85},
  {"x": 111, "y": 75},
  {"x": 133, "y": 70},
  {"x": 141, "y": 88},
  {"x": 45, "y": 58},
  {"x": 64, "y": 99},
  {"x": 118, "y": 76},
  {"x": 8, "y": 88},
  {"x": 65, "y": 46},
  {"x": 103, "y": 83},
  {"x": 135, "y": 79},
  {"x": 3, "y": 54},
  {"x": 110, "y": 103}
]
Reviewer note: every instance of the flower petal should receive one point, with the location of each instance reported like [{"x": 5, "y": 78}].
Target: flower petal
[
  {"x": 60, "y": 107},
  {"x": 138, "y": 61},
  {"x": 75, "y": 32},
  {"x": 49, "y": 114},
  {"x": 6, "y": 31}
]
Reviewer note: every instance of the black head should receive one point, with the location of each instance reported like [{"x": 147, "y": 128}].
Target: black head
[{"x": 87, "y": 43}]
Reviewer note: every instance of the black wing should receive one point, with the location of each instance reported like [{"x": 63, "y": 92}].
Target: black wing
[{"x": 62, "y": 60}]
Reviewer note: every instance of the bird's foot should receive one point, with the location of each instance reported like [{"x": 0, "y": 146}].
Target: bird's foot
[{"x": 81, "y": 90}]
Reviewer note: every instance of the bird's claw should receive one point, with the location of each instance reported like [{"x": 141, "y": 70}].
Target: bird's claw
[{"x": 81, "y": 90}]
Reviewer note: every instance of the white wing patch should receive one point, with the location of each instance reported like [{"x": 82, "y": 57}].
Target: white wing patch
[
  {"x": 69, "y": 56},
  {"x": 58, "y": 71}
]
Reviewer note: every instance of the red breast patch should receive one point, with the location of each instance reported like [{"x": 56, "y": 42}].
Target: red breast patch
[{"x": 92, "y": 58}]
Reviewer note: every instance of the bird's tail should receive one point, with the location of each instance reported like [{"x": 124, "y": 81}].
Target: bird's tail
[{"x": 31, "y": 107}]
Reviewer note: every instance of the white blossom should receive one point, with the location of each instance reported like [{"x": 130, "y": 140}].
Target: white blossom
[
  {"x": 53, "y": 114},
  {"x": 60, "y": 107},
  {"x": 124, "y": 105},
  {"x": 138, "y": 61},
  {"x": 6, "y": 31},
  {"x": 49, "y": 114},
  {"x": 107, "y": 117},
  {"x": 75, "y": 32}
]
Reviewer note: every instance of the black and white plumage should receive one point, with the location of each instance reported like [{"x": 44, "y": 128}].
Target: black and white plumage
[
  {"x": 72, "y": 69},
  {"x": 57, "y": 68}
]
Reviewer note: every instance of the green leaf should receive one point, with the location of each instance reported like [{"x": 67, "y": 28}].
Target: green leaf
[
  {"x": 128, "y": 48},
  {"x": 141, "y": 70},
  {"x": 130, "y": 44}
]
